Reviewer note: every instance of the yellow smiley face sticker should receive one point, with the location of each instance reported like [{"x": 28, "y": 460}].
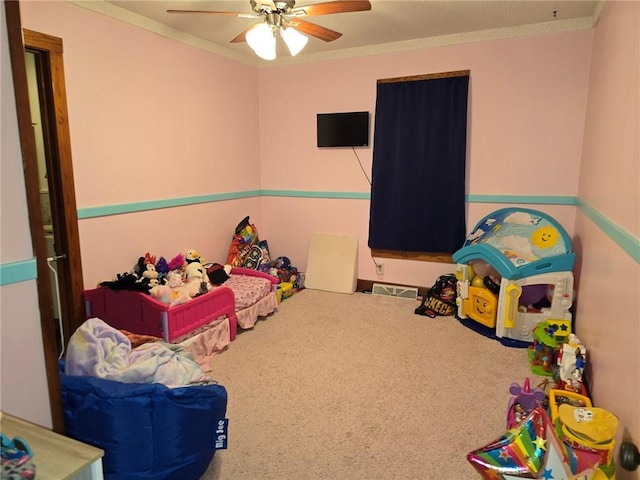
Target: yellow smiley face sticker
[{"x": 545, "y": 237}]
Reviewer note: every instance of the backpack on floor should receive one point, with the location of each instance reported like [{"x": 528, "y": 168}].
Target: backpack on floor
[{"x": 441, "y": 299}]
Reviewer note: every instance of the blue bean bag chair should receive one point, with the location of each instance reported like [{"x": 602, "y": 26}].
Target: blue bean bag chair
[{"x": 147, "y": 431}]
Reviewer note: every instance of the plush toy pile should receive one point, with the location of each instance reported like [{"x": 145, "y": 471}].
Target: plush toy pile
[
  {"x": 248, "y": 251},
  {"x": 188, "y": 275},
  {"x": 184, "y": 277}
]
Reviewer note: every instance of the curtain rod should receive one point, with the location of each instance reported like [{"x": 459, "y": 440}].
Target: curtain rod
[{"x": 429, "y": 76}]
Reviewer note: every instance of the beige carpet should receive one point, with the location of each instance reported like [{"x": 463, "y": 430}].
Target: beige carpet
[{"x": 358, "y": 387}]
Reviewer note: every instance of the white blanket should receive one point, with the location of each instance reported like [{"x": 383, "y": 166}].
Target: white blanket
[{"x": 99, "y": 350}]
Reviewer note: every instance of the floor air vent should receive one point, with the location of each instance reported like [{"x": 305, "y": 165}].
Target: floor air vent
[{"x": 395, "y": 291}]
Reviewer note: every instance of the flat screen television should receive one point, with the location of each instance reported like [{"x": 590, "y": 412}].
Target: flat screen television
[{"x": 345, "y": 129}]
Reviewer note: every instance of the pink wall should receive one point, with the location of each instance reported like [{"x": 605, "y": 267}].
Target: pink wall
[
  {"x": 613, "y": 121},
  {"x": 170, "y": 121},
  {"x": 152, "y": 119},
  {"x": 23, "y": 391},
  {"x": 526, "y": 115},
  {"x": 206, "y": 227},
  {"x": 609, "y": 305}
]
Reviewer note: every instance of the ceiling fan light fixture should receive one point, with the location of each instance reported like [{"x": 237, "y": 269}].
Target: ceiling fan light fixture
[
  {"x": 262, "y": 41},
  {"x": 294, "y": 40}
]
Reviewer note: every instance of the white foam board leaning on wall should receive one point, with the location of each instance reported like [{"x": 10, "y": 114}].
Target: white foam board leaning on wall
[{"x": 332, "y": 263}]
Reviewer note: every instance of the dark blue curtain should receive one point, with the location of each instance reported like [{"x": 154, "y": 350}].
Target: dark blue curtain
[{"x": 418, "y": 173}]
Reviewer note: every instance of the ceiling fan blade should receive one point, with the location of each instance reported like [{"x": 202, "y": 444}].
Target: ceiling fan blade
[
  {"x": 226, "y": 14},
  {"x": 332, "y": 7},
  {"x": 242, "y": 36},
  {"x": 314, "y": 30}
]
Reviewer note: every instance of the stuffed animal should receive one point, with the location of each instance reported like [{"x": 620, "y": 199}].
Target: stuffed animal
[
  {"x": 194, "y": 270},
  {"x": 217, "y": 273},
  {"x": 127, "y": 281},
  {"x": 140, "y": 267},
  {"x": 145, "y": 267},
  {"x": 174, "y": 279},
  {"x": 150, "y": 271},
  {"x": 174, "y": 292},
  {"x": 170, "y": 296},
  {"x": 176, "y": 263},
  {"x": 162, "y": 266},
  {"x": 196, "y": 279},
  {"x": 193, "y": 256}
]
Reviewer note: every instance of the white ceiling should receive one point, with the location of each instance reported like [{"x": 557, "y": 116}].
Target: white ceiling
[{"x": 388, "y": 26}]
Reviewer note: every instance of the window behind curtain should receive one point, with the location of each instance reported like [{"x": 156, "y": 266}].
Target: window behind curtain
[{"x": 418, "y": 173}]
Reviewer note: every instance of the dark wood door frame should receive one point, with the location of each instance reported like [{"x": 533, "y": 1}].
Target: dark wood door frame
[
  {"x": 62, "y": 191},
  {"x": 53, "y": 105}
]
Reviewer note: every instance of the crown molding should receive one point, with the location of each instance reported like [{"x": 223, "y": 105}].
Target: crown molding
[
  {"x": 544, "y": 28},
  {"x": 127, "y": 16}
]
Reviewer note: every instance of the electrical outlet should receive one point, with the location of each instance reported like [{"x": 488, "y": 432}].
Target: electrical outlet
[{"x": 379, "y": 268}]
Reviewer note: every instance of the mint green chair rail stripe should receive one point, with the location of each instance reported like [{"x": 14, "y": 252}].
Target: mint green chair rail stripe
[
  {"x": 26, "y": 270},
  {"x": 522, "y": 199},
  {"x": 107, "y": 210},
  {"x": 16, "y": 272},
  {"x": 624, "y": 239},
  {"x": 118, "y": 209},
  {"x": 308, "y": 194}
]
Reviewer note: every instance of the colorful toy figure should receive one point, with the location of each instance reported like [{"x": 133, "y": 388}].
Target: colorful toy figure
[
  {"x": 542, "y": 352},
  {"x": 523, "y": 401},
  {"x": 518, "y": 412},
  {"x": 571, "y": 364}
]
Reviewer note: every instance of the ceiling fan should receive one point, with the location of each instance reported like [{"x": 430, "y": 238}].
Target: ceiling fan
[{"x": 284, "y": 16}]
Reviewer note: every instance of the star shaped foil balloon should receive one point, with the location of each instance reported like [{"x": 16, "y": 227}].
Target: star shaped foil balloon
[{"x": 530, "y": 450}]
